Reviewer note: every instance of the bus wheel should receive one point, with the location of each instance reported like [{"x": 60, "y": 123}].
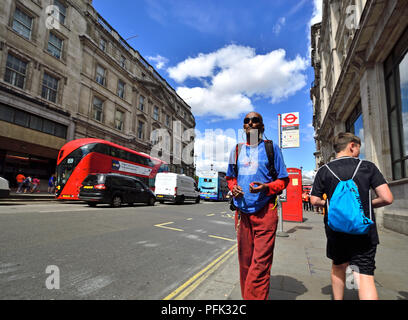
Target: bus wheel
[
  {"x": 181, "y": 200},
  {"x": 197, "y": 200},
  {"x": 116, "y": 201},
  {"x": 92, "y": 204}
]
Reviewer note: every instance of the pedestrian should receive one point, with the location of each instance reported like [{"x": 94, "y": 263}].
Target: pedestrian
[
  {"x": 51, "y": 184},
  {"x": 304, "y": 201},
  {"x": 36, "y": 185},
  {"x": 27, "y": 184},
  {"x": 20, "y": 181},
  {"x": 309, "y": 204},
  {"x": 254, "y": 182},
  {"x": 356, "y": 251}
]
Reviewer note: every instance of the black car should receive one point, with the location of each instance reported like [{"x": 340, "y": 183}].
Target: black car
[{"x": 114, "y": 189}]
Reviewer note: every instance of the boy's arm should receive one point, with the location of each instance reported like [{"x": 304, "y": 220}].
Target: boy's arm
[
  {"x": 384, "y": 196},
  {"x": 318, "y": 202},
  {"x": 277, "y": 186}
]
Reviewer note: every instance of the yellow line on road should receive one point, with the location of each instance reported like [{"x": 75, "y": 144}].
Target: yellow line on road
[
  {"x": 162, "y": 225},
  {"x": 186, "y": 288},
  {"x": 211, "y": 214},
  {"x": 217, "y": 237}
]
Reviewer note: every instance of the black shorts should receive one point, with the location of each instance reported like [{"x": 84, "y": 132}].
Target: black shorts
[{"x": 357, "y": 251}]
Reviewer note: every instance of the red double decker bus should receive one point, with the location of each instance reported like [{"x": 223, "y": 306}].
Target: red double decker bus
[{"x": 81, "y": 157}]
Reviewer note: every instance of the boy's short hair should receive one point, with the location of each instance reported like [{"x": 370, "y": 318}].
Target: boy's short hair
[{"x": 343, "y": 139}]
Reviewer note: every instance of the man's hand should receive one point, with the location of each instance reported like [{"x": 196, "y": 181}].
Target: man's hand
[
  {"x": 259, "y": 188},
  {"x": 237, "y": 192}
]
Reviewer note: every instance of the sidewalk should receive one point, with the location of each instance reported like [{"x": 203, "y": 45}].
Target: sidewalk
[
  {"x": 301, "y": 271},
  {"x": 28, "y": 196}
]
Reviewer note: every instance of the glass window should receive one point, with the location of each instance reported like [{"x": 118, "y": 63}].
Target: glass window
[
  {"x": 123, "y": 61},
  {"x": 15, "y": 71},
  {"x": 140, "y": 130},
  {"x": 97, "y": 109},
  {"x": 102, "y": 44},
  {"x": 156, "y": 113},
  {"x": 36, "y": 123},
  {"x": 21, "y": 118},
  {"x": 100, "y": 75},
  {"x": 141, "y": 103},
  {"x": 6, "y": 113},
  {"x": 403, "y": 75},
  {"x": 396, "y": 75},
  {"x": 121, "y": 89},
  {"x": 62, "y": 11},
  {"x": 167, "y": 120},
  {"x": 55, "y": 46},
  {"x": 49, "y": 88},
  {"x": 60, "y": 131},
  {"x": 22, "y": 23},
  {"x": 48, "y": 126}
]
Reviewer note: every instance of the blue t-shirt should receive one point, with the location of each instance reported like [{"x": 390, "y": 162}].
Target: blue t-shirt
[{"x": 252, "y": 166}]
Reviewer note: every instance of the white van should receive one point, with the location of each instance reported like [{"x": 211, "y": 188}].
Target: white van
[
  {"x": 175, "y": 188},
  {"x": 4, "y": 188}
]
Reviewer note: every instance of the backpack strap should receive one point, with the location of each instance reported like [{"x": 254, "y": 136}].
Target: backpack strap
[
  {"x": 271, "y": 159},
  {"x": 238, "y": 148},
  {"x": 332, "y": 172},
  {"x": 355, "y": 171}
]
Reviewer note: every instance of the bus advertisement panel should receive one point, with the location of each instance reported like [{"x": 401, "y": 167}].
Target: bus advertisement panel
[
  {"x": 79, "y": 158},
  {"x": 212, "y": 185}
]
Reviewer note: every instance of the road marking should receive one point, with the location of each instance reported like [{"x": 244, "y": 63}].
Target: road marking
[
  {"x": 211, "y": 214},
  {"x": 217, "y": 237},
  {"x": 185, "y": 289},
  {"x": 224, "y": 212},
  {"x": 189, "y": 219},
  {"x": 162, "y": 225}
]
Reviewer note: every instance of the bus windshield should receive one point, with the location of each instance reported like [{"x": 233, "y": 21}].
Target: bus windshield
[{"x": 67, "y": 166}]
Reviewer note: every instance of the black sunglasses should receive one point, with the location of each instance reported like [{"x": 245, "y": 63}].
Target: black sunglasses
[{"x": 253, "y": 119}]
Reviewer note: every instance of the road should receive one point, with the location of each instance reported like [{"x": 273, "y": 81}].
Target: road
[{"x": 135, "y": 252}]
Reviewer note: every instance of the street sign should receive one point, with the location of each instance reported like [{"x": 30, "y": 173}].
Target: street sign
[{"x": 290, "y": 130}]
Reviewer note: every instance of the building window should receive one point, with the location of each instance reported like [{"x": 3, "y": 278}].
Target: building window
[
  {"x": 167, "y": 120},
  {"x": 49, "y": 88},
  {"x": 97, "y": 109},
  {"x": 156, "y": 113},
  {"x": 102, "y": 44},
  {"x": 22, "y": 23},
  {"x": 354, "y": 124},
  {"x": 140, "y": 130},
  {"x": 31, "y": 121},
  {"x": 15, "y": 71},
  {"x": 123, "y": 61},
  {"x": 141, "y": 103},
  {"x": 119, "y": 116},
  {"x": 55, "y": 46},
  {"x": 62, "y": 11},
  {"x": 100, "y": 75},
  {"x": 121, "y": 89},
  {"x": 396, "y": 83}
]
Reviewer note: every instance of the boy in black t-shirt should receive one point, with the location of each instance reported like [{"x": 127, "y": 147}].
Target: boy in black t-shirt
[{"x": 358, "y": 251}]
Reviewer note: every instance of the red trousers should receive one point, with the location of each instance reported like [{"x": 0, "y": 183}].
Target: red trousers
[{"x": 256, "y": 241}]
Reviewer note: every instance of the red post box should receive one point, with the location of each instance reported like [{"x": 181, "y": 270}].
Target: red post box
[{"x": 292, "y": 209}]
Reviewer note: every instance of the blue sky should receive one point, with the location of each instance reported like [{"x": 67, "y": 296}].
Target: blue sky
[{"x": 226, "y": 58}]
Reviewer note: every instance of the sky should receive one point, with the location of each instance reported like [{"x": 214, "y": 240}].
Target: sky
[{"x": 227, "y": 58}]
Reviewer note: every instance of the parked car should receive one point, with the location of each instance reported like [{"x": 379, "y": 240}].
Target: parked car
[
  {"x": 176, "y": 188},
  {"x": 4, "y": 188},
  {"x": 114, "y": 189}
]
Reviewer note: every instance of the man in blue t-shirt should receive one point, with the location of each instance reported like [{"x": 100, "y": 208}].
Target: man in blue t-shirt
[{"x": 254, "y": 188}]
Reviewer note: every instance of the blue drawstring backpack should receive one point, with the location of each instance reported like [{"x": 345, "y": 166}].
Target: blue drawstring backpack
[{"x": 345, "y": 211}]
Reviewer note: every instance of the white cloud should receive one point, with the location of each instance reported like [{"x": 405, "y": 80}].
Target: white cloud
[
  {"x": 233, "y": 75},
  {"x": 159, "y": 61},
  {"x": 278, "y": 26},
  {"x": 317, "y": 12},
  {"x": 214, "y": 147}
]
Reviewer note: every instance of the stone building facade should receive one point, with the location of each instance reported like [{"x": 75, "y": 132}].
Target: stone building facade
[
  {"x": 65, "y": 73},
  {"x": 359, "y": 54}
]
